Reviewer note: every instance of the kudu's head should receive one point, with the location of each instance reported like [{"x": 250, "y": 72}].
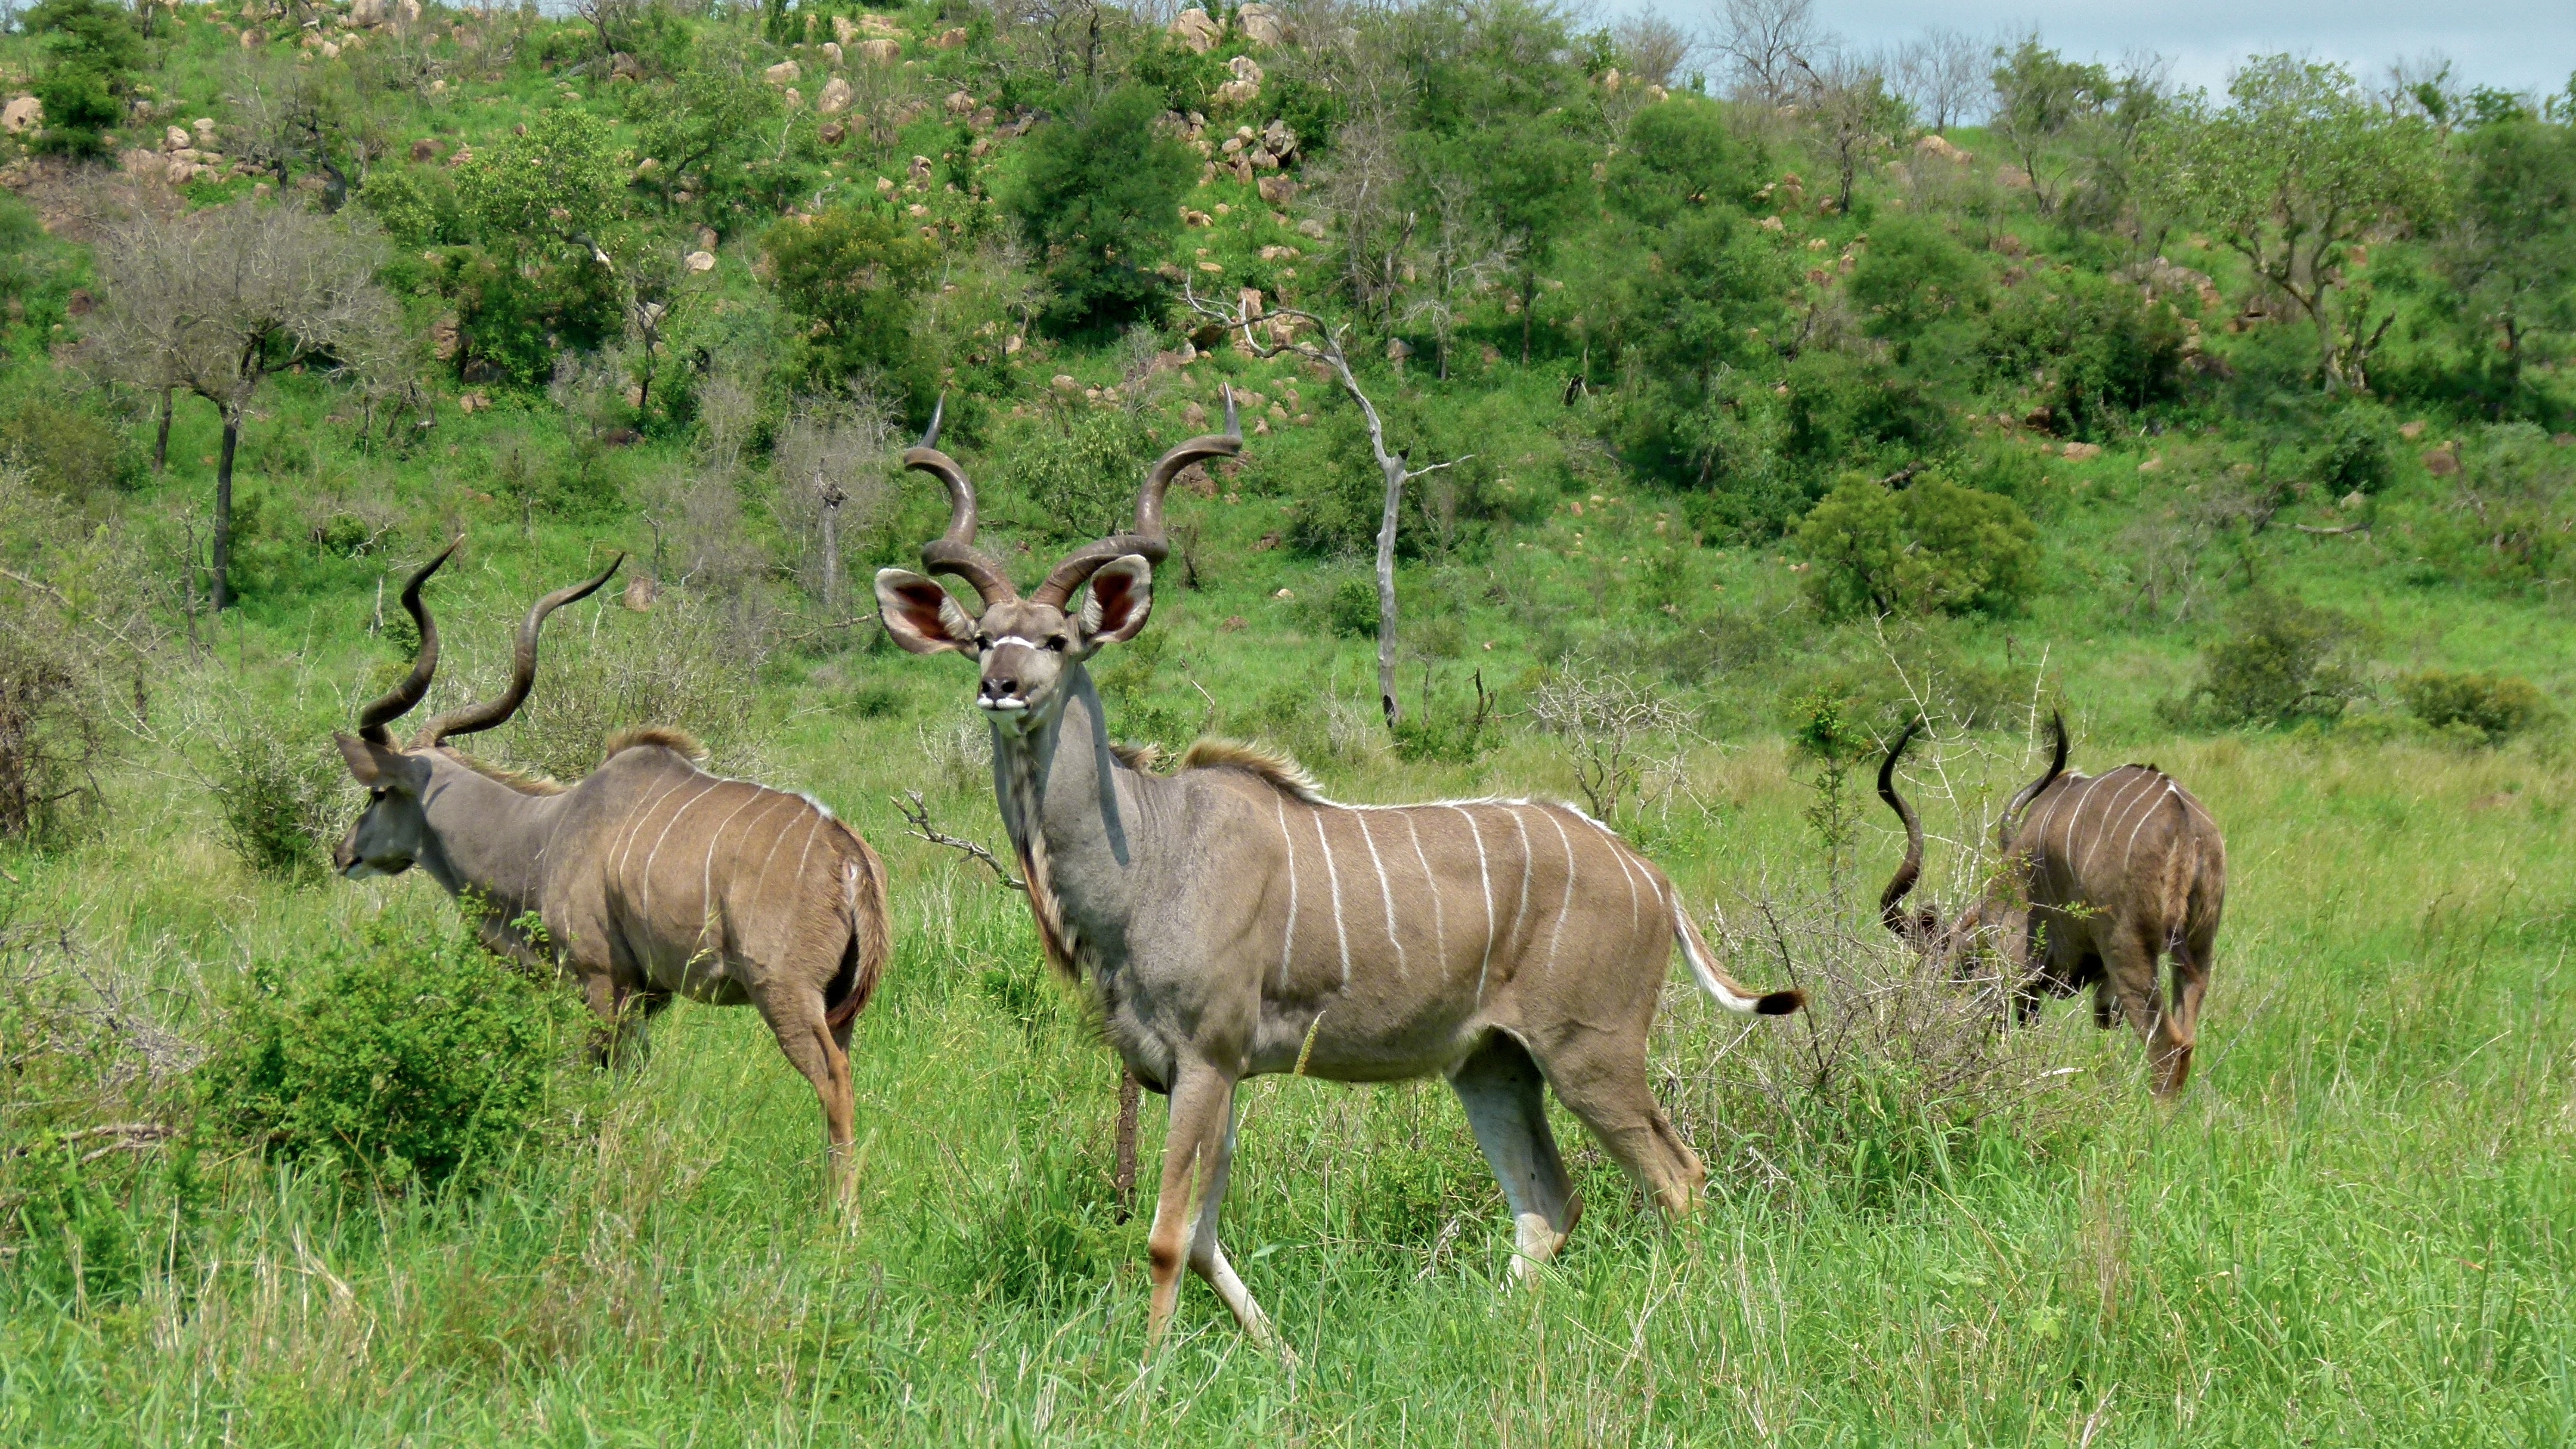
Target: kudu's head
[
  {"x": 1027, "y": 649},
  {"x": 1923, "y": 928},
  {"x": 394, "y": 831}
]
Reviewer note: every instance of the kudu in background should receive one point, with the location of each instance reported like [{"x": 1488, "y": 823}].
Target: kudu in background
[
  {"x": 651, "y": 877},
  {"x": 2102, "y": 876},
  {"x": 1231, "y": 921}
]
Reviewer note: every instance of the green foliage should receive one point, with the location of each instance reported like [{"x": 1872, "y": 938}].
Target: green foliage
[
  {"x": 1843, "y": 410},
  {"x": 2281, "y": 661},
  {"x": 69, "y": 450},
  {"x": 1351, "y": 611},
  {"x": 281, "y": 794},
  {"x": 563, "y": 183},
  {"x": 2090, "y": 348},
  {"x": 1180, "y": 78},
  {"x": 390, "y": 1058},
  {"x": 80, "y": 106},
  {"x": 2509, "y": 517},
  {"x": 1099, "y": 197},
  {"x": 416, "y": 205},
  {"x": 713, "y": 132},
  {"x": 2495, "y": 707},
  {"x": 1930, "y": 547},
  {"x": 1911, "y": 276},
  {"x": 1080, "y": 469},
  {"x": 2510, "y": 259},
  {"x": 1681, "y": 157},
  {"x": 850, "y": 276},
  {"x": 96, "y": 1232},
  {"x": 92, "y": 50},
  {"x": 514, "y": 321},
  {"x": 2358, "y": 453}
]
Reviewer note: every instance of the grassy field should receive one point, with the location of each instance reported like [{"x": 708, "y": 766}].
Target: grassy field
[{"x": 2354, "y": 1228}]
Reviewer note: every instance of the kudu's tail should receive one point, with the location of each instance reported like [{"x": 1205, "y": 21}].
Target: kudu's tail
[
  {"x": 863, "y": 956},
  {"x": 1728, "y": 992}
]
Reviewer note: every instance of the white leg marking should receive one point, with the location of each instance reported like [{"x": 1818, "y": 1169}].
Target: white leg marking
[
  {"x": 1565, "y": 905},
  {"x": 1484, "y": 877},
  {"x": 665, "y": 835},
  {"x": 1430, "y": 883},
  {"x": 1333, "y": 877},
  {"x": 1288, "y": 942},
  {"x": 1385, "y": 892}
]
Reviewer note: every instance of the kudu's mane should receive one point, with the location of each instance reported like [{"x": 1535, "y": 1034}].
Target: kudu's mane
[
  {"x": 1276, "y": 770},
  {"x": 678, "y": 742},
  {"x": 522, "y": 781}
]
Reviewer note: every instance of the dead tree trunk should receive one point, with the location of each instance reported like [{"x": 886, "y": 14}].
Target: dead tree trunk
[
  {"x": 223, "y": 587},
  {"x": 1390, "y": 465},
  {"x": 161, "y": 439}
]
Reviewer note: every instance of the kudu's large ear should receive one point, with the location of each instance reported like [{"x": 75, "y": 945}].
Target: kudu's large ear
[
  {"x": 1122, "y": 594},
  {"x": 923, "y": 617},
  {"x": 382, "y": 767}
]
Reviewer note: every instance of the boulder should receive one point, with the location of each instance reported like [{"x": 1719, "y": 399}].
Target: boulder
[
  {"x": 949, "y": 39},
  {"x": 174, "y": 138},
  {"x": 1277, "y": 190},
  {"x": 835, "y": 97},
  {"x": 881, "y": 52},
  {"x": 1245, "y": 88},
  {"x": 699, "y": 261},
  {"x": 1194, "y": 29},
  {"x": 1935, "y": 144},
  {"x": 622, "y": 66},
  {"x": 367, "y": 12},
  {"x": 844, "y": 30},
  {"x": 1260, "y": 23},
  {"x": 784, "y": 73},
  {"x": 2441, "y": 462},
  {"x": 204, "y": 126},
  {"x": 2082, "y": 452},
  {"x": 832, "y": 52},
  {"x": 24, "y": 113},
  {"x": 641, "y": 593}
]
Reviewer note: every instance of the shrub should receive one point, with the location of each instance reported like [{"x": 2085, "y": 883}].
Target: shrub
[
  {"x": 1352, "y": 609},
  {"x": 2094, "y": 347},
  {"x": 281, "y": 793},
  {"x": 513, "y": 319},
  {"x": 70, "y": 451},
  {"x": 1910, "y": 276},
  {"x": 2496, "y": 706},
  {"x": 1100, "y": 200},
  {"x": 1082, "y": 476},
  {"x": 2282, "y": 661},
  {"x": 2357, "y": 454},
  {"x": 416, "y": 204},
  {"x": 389, "y": 1057},
  {"x": 1933, "y": 547},
  {"x": 850, "y": 275},
  {"x": 687, "y": 665}
]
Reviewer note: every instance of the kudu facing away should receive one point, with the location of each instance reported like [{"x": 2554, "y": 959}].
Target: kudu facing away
[
  {"x": 652, "y": 877},
  {"x": 1231, "y": 921},
  {"x": 2102, "y": 876}
]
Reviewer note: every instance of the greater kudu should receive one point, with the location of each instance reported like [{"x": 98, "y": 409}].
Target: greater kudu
[
  {"x": 2101, "y": 876},
  {"x": 651, "y": 877},
  {"x": 1231, "y": 921}
]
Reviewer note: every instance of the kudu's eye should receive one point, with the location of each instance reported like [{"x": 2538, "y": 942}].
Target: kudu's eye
[{"x": 1056, "y": 643}]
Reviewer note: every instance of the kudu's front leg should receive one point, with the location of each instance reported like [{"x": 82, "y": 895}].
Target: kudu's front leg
[{"x": 1197, "y": 1152}]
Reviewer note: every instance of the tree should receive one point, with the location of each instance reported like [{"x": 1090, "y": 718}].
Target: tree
[
  {"x": 1766, "y": 43},
  {"x": 1944, "y": 76},
  {"x": 1852, "y": 113},
  {"x": 1911, "y": 276},
  {"x": 851, "y": 275},
  {"x": 1100, "y": 198},
  {"x": 214, "y": 301},
  {"x": 1536, "y": 185},
  {"x": 91, "y": 52},
  {"x": 2296, "y": 169},
  {"x": 1931, "y": 547},
  {"x": 2040, "y": 97},
  {"x": 564, "y": 180},
  {"x": 2510, "y": 252}
]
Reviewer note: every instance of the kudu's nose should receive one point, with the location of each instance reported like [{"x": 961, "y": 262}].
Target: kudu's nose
[{"x": 1000, "y": 686}]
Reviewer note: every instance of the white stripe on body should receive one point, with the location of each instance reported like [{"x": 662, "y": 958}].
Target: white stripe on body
[
  {"x": 1386, "y": 893},
  {"x": 1484, "y": 878},
  {"x": 2103, "y": 825},
  {"x": 656, "y": 851},
  {"x": 1619, "y": 853},
  {"x": 760, "y": 882},
  {"x": 707, "y": 874},
  {"x": 2129, "y": 856},
  {"x": 1522, "y": 913},
  {"x": 1333, "y": 878},
  {"x": 2038, "y": 827},
  {"x": 1288, "y": 942},
  {"x": 1564, "y": 906},
  {"x": 635, "y": 826},
  {"x": 1439, "y": 927}
]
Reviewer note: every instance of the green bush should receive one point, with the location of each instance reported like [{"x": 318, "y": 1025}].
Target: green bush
[
  {"x": 2095, "y": 349},
  {"x": 1911, "y": 276},
  {"x": 2282, "y": 661},
  {"x": 281, "y": 795},
  {"x": 70, "y": 451},
  {"x": 1081, "y": 475},
  {"x": 1932, "y": 547},
  {"x": 850, "y": 275},
  {"x": 2496, "y": 706},
  {"x": 1100, "y": 200},
  {"x": 390, "y": 1057},
  {"x": 515, "y": 318},
  {"x": 2358, "y": 453},
  {"x": 417, "y": 204},
  {"x": 1352, "y": 610}
]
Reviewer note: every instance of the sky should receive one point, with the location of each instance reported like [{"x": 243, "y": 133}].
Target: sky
[{"x": 2516, "y": 44}]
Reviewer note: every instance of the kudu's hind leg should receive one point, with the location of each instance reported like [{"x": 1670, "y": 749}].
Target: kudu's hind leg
[
  {"x": 2130, "y": 959},
  {"x": 1503, "y": 1093},
  {"x": 1602, "y": 1077},
  {"x": 1197, "y": 1151},
  {"x": 796, "y": 1018},
  {"x": 2190, "y": 982}
]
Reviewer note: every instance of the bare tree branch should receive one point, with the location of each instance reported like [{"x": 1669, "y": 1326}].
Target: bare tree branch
[{"x": 917, "y": 815}]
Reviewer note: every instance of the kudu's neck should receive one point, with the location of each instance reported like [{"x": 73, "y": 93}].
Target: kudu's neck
[
  {"x": 1070, "y": 813},
  {"x": 487, "y": 840}
]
